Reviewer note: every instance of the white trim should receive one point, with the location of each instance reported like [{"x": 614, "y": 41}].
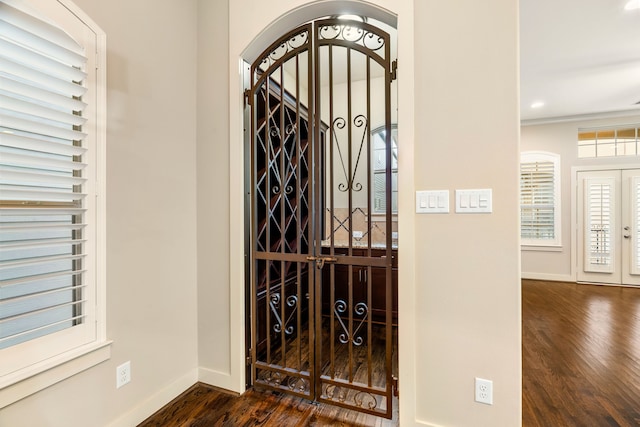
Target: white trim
[
  {"x": 237, "y": 368},
  {"x": 214, "y": 378},
  {"x": 574, "y": 205},
  {"x": 407, "y": 301},
  {"x": 540, "y": 248},
  {"x": 148, "y": 407},
  {"x": 426, "y": 424},
  {"x": 617, "y": 285},
  {"x": 580, "y": 117},
  {"x": 549, "y": 277},
  {"x": 45, "y": 373},
  {"x": 546, "y": 156},
  {"x": 101, "y": 173},
  {"x": 54, "y": 370}
]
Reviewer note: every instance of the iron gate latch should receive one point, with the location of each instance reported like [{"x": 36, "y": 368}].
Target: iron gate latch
[{"x": 320, "y": 260}]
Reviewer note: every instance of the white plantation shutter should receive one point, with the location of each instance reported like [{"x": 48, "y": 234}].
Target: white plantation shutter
[
  {"x": 539, "y": 198},
  {"x": 599, "y": 225},
  {"x": 42, "y": 183}
]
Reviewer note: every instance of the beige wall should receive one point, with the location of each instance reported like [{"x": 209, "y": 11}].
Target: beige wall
[
  {"x": 459, "y": 127},
  {"x": 459, "y": 287},
  {"x": 151, "y": 221},
  {"x": 467, "y": 291},
  {"x": 560, "y": 138},
  {"x": 213, "y": 194}
]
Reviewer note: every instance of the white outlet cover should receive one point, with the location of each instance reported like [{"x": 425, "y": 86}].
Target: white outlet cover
[
  {"x": 123, "y": 374},
  {"x": 484, "y": 391}
]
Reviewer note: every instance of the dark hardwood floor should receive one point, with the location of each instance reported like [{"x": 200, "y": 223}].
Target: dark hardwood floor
[
  {"x": 581, "y": 368},
  {"x": 206, "y": 406},
  {"x": 581, "y": 355}
]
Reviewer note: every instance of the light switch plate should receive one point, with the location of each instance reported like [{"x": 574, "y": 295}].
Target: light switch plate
[
  {"x": 432, "y": 201},
  {"x": 474, "y": 201}
]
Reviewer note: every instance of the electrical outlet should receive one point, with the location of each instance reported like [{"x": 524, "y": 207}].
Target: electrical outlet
[
  {"x": 484, "y": 391},
  {"x": 123, "y": 374}
]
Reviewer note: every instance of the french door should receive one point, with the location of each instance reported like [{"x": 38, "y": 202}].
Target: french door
[
  {"x": 609, "y": 226},
  {"x": 323, "y": 264}
]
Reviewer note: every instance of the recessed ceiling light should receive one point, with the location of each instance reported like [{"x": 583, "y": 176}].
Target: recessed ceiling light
[
  {"x": 632, "y": 5},
  {"x": 537, "y": 104}
]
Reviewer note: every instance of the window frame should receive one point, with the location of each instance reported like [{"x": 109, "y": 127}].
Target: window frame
[
  {"x": 394, "y": 176},
  {"x": 541, "y": 243},
  {"x": 606, "y": 142},
  {"x": 73, "y": 354}
]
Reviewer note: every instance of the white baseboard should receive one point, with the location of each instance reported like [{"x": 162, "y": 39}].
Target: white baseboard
[
  {"x": 550, "y": 277},
  {"x": 425, "y": 424},
  {"x": 218, "y": 379},
  {"x": 156, "y": 401}
]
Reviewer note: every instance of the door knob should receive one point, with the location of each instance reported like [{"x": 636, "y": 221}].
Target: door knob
[
  {"x": 627, "y": 236},
  {"x": 627, "y": 228}
]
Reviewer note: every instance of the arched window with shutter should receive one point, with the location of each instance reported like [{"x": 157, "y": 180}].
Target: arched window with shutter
[
  {"x": 540, "y": 199},
  {"x": 51, "y": 206}
]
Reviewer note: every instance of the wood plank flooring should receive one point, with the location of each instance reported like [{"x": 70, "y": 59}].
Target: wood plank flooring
[
  {"x": 581, "y": 368},
  {"x": 581, "y": 355},
  {"x": 206, "y": 406}
]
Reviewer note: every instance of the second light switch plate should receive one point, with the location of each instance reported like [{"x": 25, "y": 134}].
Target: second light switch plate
[{"x": 474, "y": 201}]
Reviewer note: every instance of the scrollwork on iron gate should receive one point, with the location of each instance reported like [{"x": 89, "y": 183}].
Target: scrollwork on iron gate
[
  {"x": 358, "y": 34},
  {"x": 360, "y": 309},
  {"x": 360, "y": 123},
  {"x": 279, "y": 326},
  {"x": 294, "y": 41}
]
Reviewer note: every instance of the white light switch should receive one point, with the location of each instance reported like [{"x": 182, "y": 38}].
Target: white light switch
[
  {"x": 432, "y": 201},
  {"x": 474, "y": 201}
]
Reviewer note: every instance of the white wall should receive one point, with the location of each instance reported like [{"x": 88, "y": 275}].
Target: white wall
[
  {"x": 151, "y": 221},
  {"x": 561, "y": 138}
]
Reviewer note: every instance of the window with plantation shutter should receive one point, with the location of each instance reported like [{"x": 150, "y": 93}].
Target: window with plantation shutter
[
  {"x": 540, "y": 199},
  {"x": 51, "y": 211},
  {"x": 379, "y": 197}
]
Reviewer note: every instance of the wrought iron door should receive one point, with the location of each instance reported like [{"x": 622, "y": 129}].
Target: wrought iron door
[{"x": 323, "y": 260}]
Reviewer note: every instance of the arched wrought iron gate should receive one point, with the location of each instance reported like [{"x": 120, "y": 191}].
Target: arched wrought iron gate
[{"x": 323, "y": 274}]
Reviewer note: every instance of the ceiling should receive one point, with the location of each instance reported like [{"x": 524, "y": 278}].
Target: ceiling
[
  {"x": 581, "y": 58},
  {"x": 578, "y": 57}
]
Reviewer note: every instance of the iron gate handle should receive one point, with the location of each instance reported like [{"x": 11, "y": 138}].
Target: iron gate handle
[{"x": 320, "y": 260}]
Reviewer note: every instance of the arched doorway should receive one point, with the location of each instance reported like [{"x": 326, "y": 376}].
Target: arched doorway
[{"x": 322, "y": 195}]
